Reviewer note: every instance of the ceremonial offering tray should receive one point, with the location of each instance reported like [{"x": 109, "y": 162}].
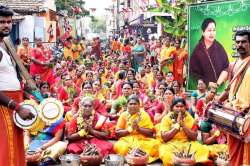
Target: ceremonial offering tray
[
  {"x": 35, "y": 124},
  {"x": 51, "y": 110}
]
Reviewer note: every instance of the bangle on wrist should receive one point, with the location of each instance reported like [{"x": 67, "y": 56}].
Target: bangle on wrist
[{"x": 9, "y": 103}]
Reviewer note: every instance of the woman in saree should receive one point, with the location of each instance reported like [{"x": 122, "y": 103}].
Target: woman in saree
[
  {"x": 157, "y": 103},
  {"x": 87, "y": 91},
  {"x": 98, "y": 91},
  {"x": 46, "y": 142},
  {"x": 138, "y": 54},
  {"x": 86, "y": 128},
  {"x": 164, "y": 108},
  {"x": 137, "y": 90},
  {"x": 119, "y": 105},
  {"x": 45, "y": 90},
  {"x": 209, "y": 60},
  {"x": 135, "y": 130},
  {"x": 211, "y": 136},
  {"x": 178, "y": 90},
  {"x": 208, "y": 133},
  {"x": 177, "y": 132},
  {"x": 67, "y": 92}
]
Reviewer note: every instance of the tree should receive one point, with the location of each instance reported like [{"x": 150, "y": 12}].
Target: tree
[
  {"x": 177, "y": 24},
  {"x": 73, "y": 7},
  {"x": 98, "y": 25}
]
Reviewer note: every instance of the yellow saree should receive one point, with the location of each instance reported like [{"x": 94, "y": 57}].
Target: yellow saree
[
  {"x": 135, "y": 139},
  {"x": 179, "y": 142}
]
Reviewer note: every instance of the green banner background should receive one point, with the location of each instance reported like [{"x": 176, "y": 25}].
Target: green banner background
[{"x": 228, "y": 15}]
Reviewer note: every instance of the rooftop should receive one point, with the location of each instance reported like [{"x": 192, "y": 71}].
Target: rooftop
[{"x": 24, "y": 6}]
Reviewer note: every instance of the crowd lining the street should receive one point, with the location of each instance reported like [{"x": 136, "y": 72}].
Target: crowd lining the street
[{"x": 130, "y": 90}]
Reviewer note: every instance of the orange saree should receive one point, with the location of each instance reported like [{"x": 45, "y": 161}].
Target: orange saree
[{"x": 12, "y": 147}]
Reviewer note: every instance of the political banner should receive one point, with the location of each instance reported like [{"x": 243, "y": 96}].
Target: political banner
[{"x": 211, "y": 29}]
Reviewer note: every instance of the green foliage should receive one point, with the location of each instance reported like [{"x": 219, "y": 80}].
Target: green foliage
[
  {"x": 68, "y": 4},
  {"x": 98, "y": 25},
  {"x": 177, "y": 25}
]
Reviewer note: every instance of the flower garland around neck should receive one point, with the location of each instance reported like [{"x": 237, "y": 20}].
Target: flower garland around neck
[
  {"x": 129, "y": 121},
  {"x": 82, "y": 124},
  {"x": 71, "y": 91}
]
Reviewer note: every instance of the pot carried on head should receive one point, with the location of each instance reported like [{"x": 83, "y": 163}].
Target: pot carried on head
[
  {"x": 49, "y": 111},
  {"x": 231, "y": 121}
]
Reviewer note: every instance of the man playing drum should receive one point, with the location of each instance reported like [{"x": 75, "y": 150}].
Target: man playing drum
[
  {"x": 12, "y": 148},
  {"x": 239, "y": 97}
]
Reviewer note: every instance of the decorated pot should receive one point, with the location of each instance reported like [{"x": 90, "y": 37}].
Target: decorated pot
[
  {"x": 90, "y": 160},
  {"x": 137, "y": 161},
  {"x": 184, "y": 161}
]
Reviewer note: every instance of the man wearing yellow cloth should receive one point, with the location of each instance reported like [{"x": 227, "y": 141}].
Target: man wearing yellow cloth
[
  {"x": 135, "y": 129},
  {"x": 239, "y": 97},
  {"x": 177, "y": 133}
]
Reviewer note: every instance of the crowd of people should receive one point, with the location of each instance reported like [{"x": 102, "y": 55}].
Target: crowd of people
[{"x": 130, "y": 91}]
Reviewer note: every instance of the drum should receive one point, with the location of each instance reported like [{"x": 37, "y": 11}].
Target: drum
[
  {"x": 33, "y": 125},
  {"x": 51, "y": 110},
  {"x": 231, "y": 121}
]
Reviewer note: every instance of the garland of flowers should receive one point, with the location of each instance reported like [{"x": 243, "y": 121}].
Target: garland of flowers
[
  {"x": 82, "y": 123},
  {"x": 71, "y": 91},
  {"x": 129, "y": 122}
]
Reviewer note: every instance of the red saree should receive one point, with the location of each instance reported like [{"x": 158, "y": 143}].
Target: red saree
[
  {"x": 77, "y": 147},
  {"x": 12, "y": 147},
  {"x": 44, "y": 71},
  {"x": 180, "y": 56}
]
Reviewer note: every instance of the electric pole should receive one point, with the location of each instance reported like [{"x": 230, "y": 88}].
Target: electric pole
[{"x": 117, "y": 16}]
